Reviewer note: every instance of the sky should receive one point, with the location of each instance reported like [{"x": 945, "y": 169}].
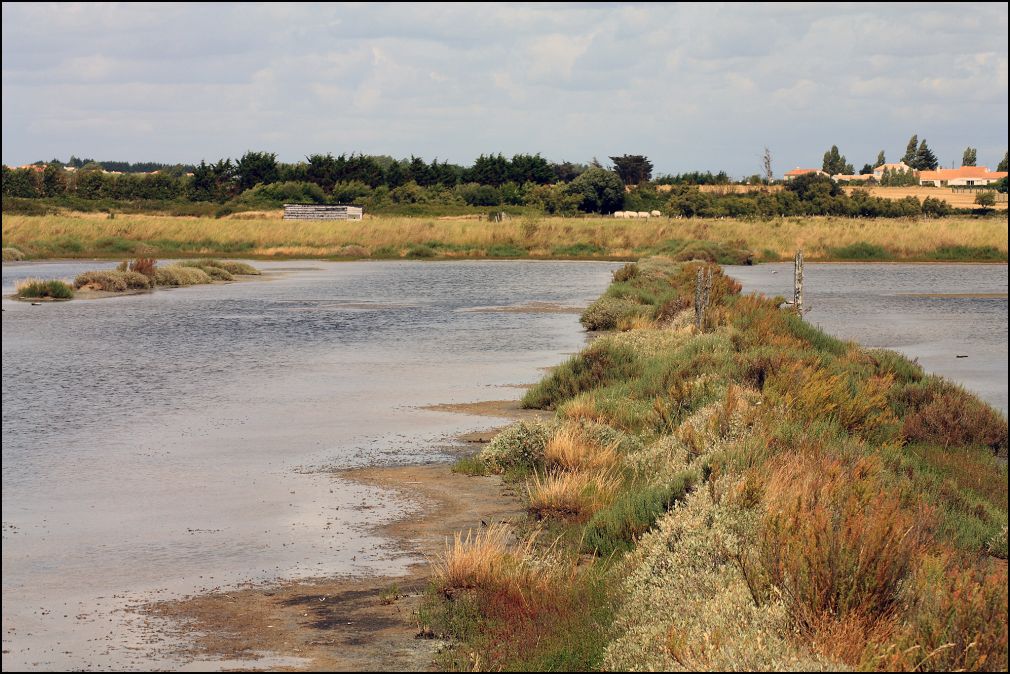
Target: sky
[{"x": 692, "y": 86}]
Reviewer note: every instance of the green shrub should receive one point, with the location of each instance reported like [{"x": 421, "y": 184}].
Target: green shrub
[
  {"x": 506, "y": 250},
  {"x": 37, "y": 289},
  {"x": 518, "y": 447},
  {"x": 606, "y": 312},
  {"x": 214, "y": 272},
  {"x": 618, "y": 527},
  {"x": 579, "y": 250},
  {"x": 599, "y": 364}
]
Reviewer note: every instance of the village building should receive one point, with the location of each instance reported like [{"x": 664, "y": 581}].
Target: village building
[
  {"x": 797, "y": 172},
  {"x": 897, "y": 167},
  {"x": 966, "y": 176}
]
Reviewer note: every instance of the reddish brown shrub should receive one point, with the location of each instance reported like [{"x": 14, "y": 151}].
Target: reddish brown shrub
[{"x": 953, "y": 417}]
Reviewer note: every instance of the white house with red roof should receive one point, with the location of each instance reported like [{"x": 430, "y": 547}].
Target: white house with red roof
[{"x": 966, "y": 176}]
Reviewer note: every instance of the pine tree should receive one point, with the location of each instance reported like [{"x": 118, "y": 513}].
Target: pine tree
[
  {"x": 969, "y": 157},
  {"x": 1003, "y": 164},
  {"x": 880, "y": 159},
  {"x": 834, "y": 163},
  {"x": 911, "y": 149},
  {"x": 924, "y": 160}
]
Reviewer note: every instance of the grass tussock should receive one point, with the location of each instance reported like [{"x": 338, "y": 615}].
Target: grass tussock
[
  {"x": 39, "y": 289},
  {"x": 12, "y": 255},
  {"x": 113, "y": 281},
  {"x": 570, "y": 495}
]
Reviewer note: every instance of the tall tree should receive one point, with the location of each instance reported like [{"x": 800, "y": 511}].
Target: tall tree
[
  {"x": 1003, "y": 164},
  {"x": 256, "y": 167},
  {"x": 881, "y": 160},
  {"x": 633, "y": 169},
  {"x": 598, "y": 190},
  {"x": 911, "y": 149},
  {"x": 969, "y": 157},
  {"x": 766, "y": 165},
  {"x": 924, "y": 160},
  {"x": 834, "y": 163}
]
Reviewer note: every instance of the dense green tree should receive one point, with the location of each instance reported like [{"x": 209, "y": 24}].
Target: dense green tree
[
  {"x": 255, "y": 168},
  {"x": 834, "y": 163},
  {"x": 866, "y": 170},
  {"x": 599, "y": 190},
  {"x": 54, "y": 180},
  {"x": 924, "y": 160},
  {"x": 395, "y": 175},
  {"x": 489, "y": 170},
  {"x": 911, "y": 149},
  {"x": 881, "y": 160},
  {"x": 24, "y": 183},
  {"x": 1003, "y": 164},
  {"x": 323, "y": 170},
  {"x": 567, "y": 171},
  {"x": 986, "y": 200},
  {"x": 419, "y": 171},
  {"x": 970, "y": 157},
  {"x": 812, "y": 186},
  {"x": 530, "y": 168},
  {"x": 633, "y": 169}
]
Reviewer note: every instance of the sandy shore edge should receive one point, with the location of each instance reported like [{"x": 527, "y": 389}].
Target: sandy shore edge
[{"x": 347, "y": 623}]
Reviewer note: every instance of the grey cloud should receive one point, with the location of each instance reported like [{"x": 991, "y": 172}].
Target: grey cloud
[{"x": 694, "y": 86}]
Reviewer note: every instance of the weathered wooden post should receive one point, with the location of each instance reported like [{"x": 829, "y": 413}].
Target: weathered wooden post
[
  {"x": 702, "y": 296},
  {"x": 698, "y": 308},
  {"x": 798, "y": 283}
]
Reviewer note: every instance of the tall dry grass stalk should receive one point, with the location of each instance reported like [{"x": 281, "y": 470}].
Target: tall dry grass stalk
[
  {"x": 484, "y": 560},
  {"x": 570, "y": 495},
  {"x": 570, "y": 450}
]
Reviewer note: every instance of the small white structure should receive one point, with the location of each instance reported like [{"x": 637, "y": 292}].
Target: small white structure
[
  {"x": 797, "y": 172},
  {"x": 321, "y": 212}
]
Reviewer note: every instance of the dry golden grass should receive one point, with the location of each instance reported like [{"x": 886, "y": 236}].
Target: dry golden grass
[
  {"x": 627, "y": 323},
  {"x": 570, "y": 450},
  {"x": 270, "y": 236},
  {"x": 483, "y": 560},
  {"x": 570, "y": 495}
]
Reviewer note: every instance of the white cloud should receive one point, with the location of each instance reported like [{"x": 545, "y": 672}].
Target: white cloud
[{"x": 693, "y": 86}]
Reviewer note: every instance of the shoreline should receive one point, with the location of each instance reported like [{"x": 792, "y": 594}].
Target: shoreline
[{"x": 349, "y": 623}]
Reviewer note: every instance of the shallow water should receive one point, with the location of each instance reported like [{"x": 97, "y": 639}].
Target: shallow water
[
  {"x": 165, "y": 443},
  {"x": 932, "y": 313}
]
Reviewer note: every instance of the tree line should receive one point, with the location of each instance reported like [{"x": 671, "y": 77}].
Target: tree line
[{"x": 918, "y": 156}]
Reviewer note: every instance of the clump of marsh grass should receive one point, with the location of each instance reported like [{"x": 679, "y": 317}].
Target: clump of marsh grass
[
  {"x": 486, "y": 560},
  {"x": 140, "y": 265},
  {"x": 233, "y": 267},
  {"x": 568, "y": 495},
  {"x": 519, "y": 447},
  {"x": 12, "y": 255},
  {"x": 38, "y": 289},
  {"x": 113, "y": 281},
  {"x": 570, "y": 449},
  {"x": 215, "y": 273},
  {"x": 176, "y": 275}
]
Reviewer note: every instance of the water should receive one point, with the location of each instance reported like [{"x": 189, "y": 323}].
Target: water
[
  {"x": 160, "y": 444},
  {"x": 932, "y": 313},
  {"x": 164, "y": 443}
]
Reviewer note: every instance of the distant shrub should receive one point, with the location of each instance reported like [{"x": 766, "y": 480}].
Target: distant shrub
[
  {"x": 420, "y": 250},
  {"x": 579, "y": 250},
  {"x": 12, "y": 255},
  {"x": 214, "y": 272},
  {"x": 37, "y": 289}
]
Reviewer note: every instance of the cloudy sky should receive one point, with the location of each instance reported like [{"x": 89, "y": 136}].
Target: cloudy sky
[{"x": 692, "y": 86}]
